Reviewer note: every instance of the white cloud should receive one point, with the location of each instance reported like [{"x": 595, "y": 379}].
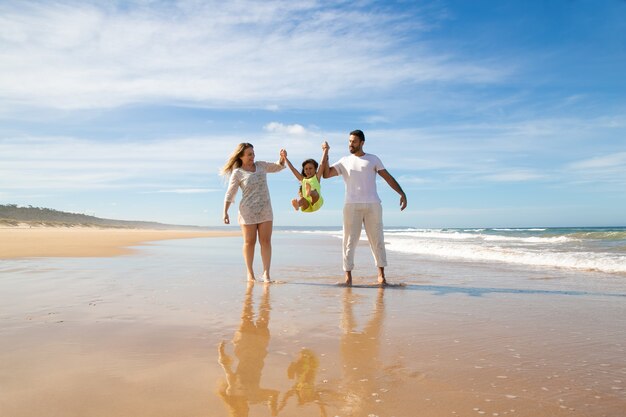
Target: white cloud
[
  {"x": 175, "y": 165},
  {"x": 189, "y": 190},
  {"x": 74, "y": 163},
  {"x": 427, "y": 156},
  {"x": 412, "y": 180},
  {"x": 376, "y": 119},
  {"x": 519, "y": 175},
  {"x": 294, "y": 129},
  {"x": 89, "y": 55},
  {"x": 606, "y": 169},
  {"x": 601, "y": 162},
  {"x": 501, "y": 151}
]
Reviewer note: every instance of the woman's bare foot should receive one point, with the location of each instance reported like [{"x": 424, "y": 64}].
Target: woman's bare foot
[{"x": 295, "y": 204}]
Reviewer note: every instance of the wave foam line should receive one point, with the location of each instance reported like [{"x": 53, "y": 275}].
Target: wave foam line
[{"x": 588, "y": 261}]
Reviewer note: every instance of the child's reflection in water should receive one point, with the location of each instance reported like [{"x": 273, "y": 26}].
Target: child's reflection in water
[
  {"x": 242, "y": 386},
  {"x": 304, "y": 371}
]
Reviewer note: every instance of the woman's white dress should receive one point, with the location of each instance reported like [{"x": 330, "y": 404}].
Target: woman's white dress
[{"x": 255, "y": 206}]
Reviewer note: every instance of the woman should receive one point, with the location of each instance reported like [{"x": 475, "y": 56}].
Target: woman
[{"x": 255, "y": 208}]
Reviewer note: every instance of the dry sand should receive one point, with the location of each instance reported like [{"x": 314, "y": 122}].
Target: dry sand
[{"x": 26, "y": 242}]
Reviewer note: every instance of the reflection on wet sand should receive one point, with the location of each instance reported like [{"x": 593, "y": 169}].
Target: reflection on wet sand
[
  {"x": 242, "y": 386},
  {"x": 355, "y": 393},
  {"x": 360, "y": 352},
  {"x": 304, "y": 371}
]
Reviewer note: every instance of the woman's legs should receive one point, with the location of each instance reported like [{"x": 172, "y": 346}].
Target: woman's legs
[
  {"x": 249, "y": 232},
  {"x": 265, "y": 239}
]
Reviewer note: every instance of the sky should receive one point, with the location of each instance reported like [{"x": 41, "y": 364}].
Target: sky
[{"x": 488, "y": 113}]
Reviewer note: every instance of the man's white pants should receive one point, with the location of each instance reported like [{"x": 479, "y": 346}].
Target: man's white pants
[{"x": 371, "y": 216}]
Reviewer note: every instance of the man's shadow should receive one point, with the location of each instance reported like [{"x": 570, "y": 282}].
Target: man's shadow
[{"x": 242, "y": 386}]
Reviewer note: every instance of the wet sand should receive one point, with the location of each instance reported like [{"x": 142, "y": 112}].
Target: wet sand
[
  {"x": 175, "y": 330},
  {"x": 25, "y": 242}
]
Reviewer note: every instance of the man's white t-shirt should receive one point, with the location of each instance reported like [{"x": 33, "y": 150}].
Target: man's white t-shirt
[{"x": 359, "y": 174}]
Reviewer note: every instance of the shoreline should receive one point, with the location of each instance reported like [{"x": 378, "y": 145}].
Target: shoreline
[{"x": 37, "y": 242}]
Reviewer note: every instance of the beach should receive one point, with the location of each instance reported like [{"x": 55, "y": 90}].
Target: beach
[
  {"x": 26, "y": 241},
  {"x": 172, "y": 328}
]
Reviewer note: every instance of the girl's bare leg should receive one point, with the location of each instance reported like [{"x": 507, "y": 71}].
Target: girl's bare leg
[
  {"x": 249, "y": 232},
  {"x": 303, "y": 204},
  {"x": 265, "y": 239},
  {"x": 300, "y": 204},
  {"x": 311, "y": 193},
  {"x": 315, "y": 196}
]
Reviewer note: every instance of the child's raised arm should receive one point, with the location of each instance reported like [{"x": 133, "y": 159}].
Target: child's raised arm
[
  {"x": 324, "y": 160},
  {"x": 291, "y": 167}
]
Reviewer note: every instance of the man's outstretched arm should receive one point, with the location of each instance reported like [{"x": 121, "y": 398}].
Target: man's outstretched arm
[
  {"x": 395, "y": 186},
  {"x": 329, "y": 171}
]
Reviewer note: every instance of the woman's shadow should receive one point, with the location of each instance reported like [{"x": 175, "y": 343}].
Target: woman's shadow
[{"x": 242, "y": 386}]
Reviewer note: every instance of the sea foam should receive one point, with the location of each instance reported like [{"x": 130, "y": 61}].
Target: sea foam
[{"x": 588, "y": 249}]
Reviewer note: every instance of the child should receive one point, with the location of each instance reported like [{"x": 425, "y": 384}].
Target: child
[{"x": 309, "y": 193}]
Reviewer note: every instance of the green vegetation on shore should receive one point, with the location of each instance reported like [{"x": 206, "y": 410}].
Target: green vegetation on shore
[{"x": 13, "y": 215}]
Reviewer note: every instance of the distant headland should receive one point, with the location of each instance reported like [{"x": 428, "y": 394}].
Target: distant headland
[{"x": 12, "y": 215}]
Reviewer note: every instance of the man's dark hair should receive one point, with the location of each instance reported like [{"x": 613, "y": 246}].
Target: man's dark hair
[{"x": 359, "y": 134}]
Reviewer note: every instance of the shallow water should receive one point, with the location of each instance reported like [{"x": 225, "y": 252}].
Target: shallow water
[{"x": 175, "y": 330}]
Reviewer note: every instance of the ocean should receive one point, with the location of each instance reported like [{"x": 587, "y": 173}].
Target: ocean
[{"x": 599, "y": 249}]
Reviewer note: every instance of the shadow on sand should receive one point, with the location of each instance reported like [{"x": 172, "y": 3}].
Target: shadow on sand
[{"x": 471, "y": 291}]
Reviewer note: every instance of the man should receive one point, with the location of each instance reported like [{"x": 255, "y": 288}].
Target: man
[{"x": 362, "y": 204}]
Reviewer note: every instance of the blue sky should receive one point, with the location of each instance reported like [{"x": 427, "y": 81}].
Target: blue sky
[{"x": 488, "y": 113}]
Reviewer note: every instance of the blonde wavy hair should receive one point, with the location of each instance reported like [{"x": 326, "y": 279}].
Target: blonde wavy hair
[{"x": 234, "y": 161}]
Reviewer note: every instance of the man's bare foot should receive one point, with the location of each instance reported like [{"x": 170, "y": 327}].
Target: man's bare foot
[
  {"x": 295, "y": 205},
  {"x": 381, "y": 277},
  {"x": 348, "y": 280},
  {"x": 251, "y": 278}
]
